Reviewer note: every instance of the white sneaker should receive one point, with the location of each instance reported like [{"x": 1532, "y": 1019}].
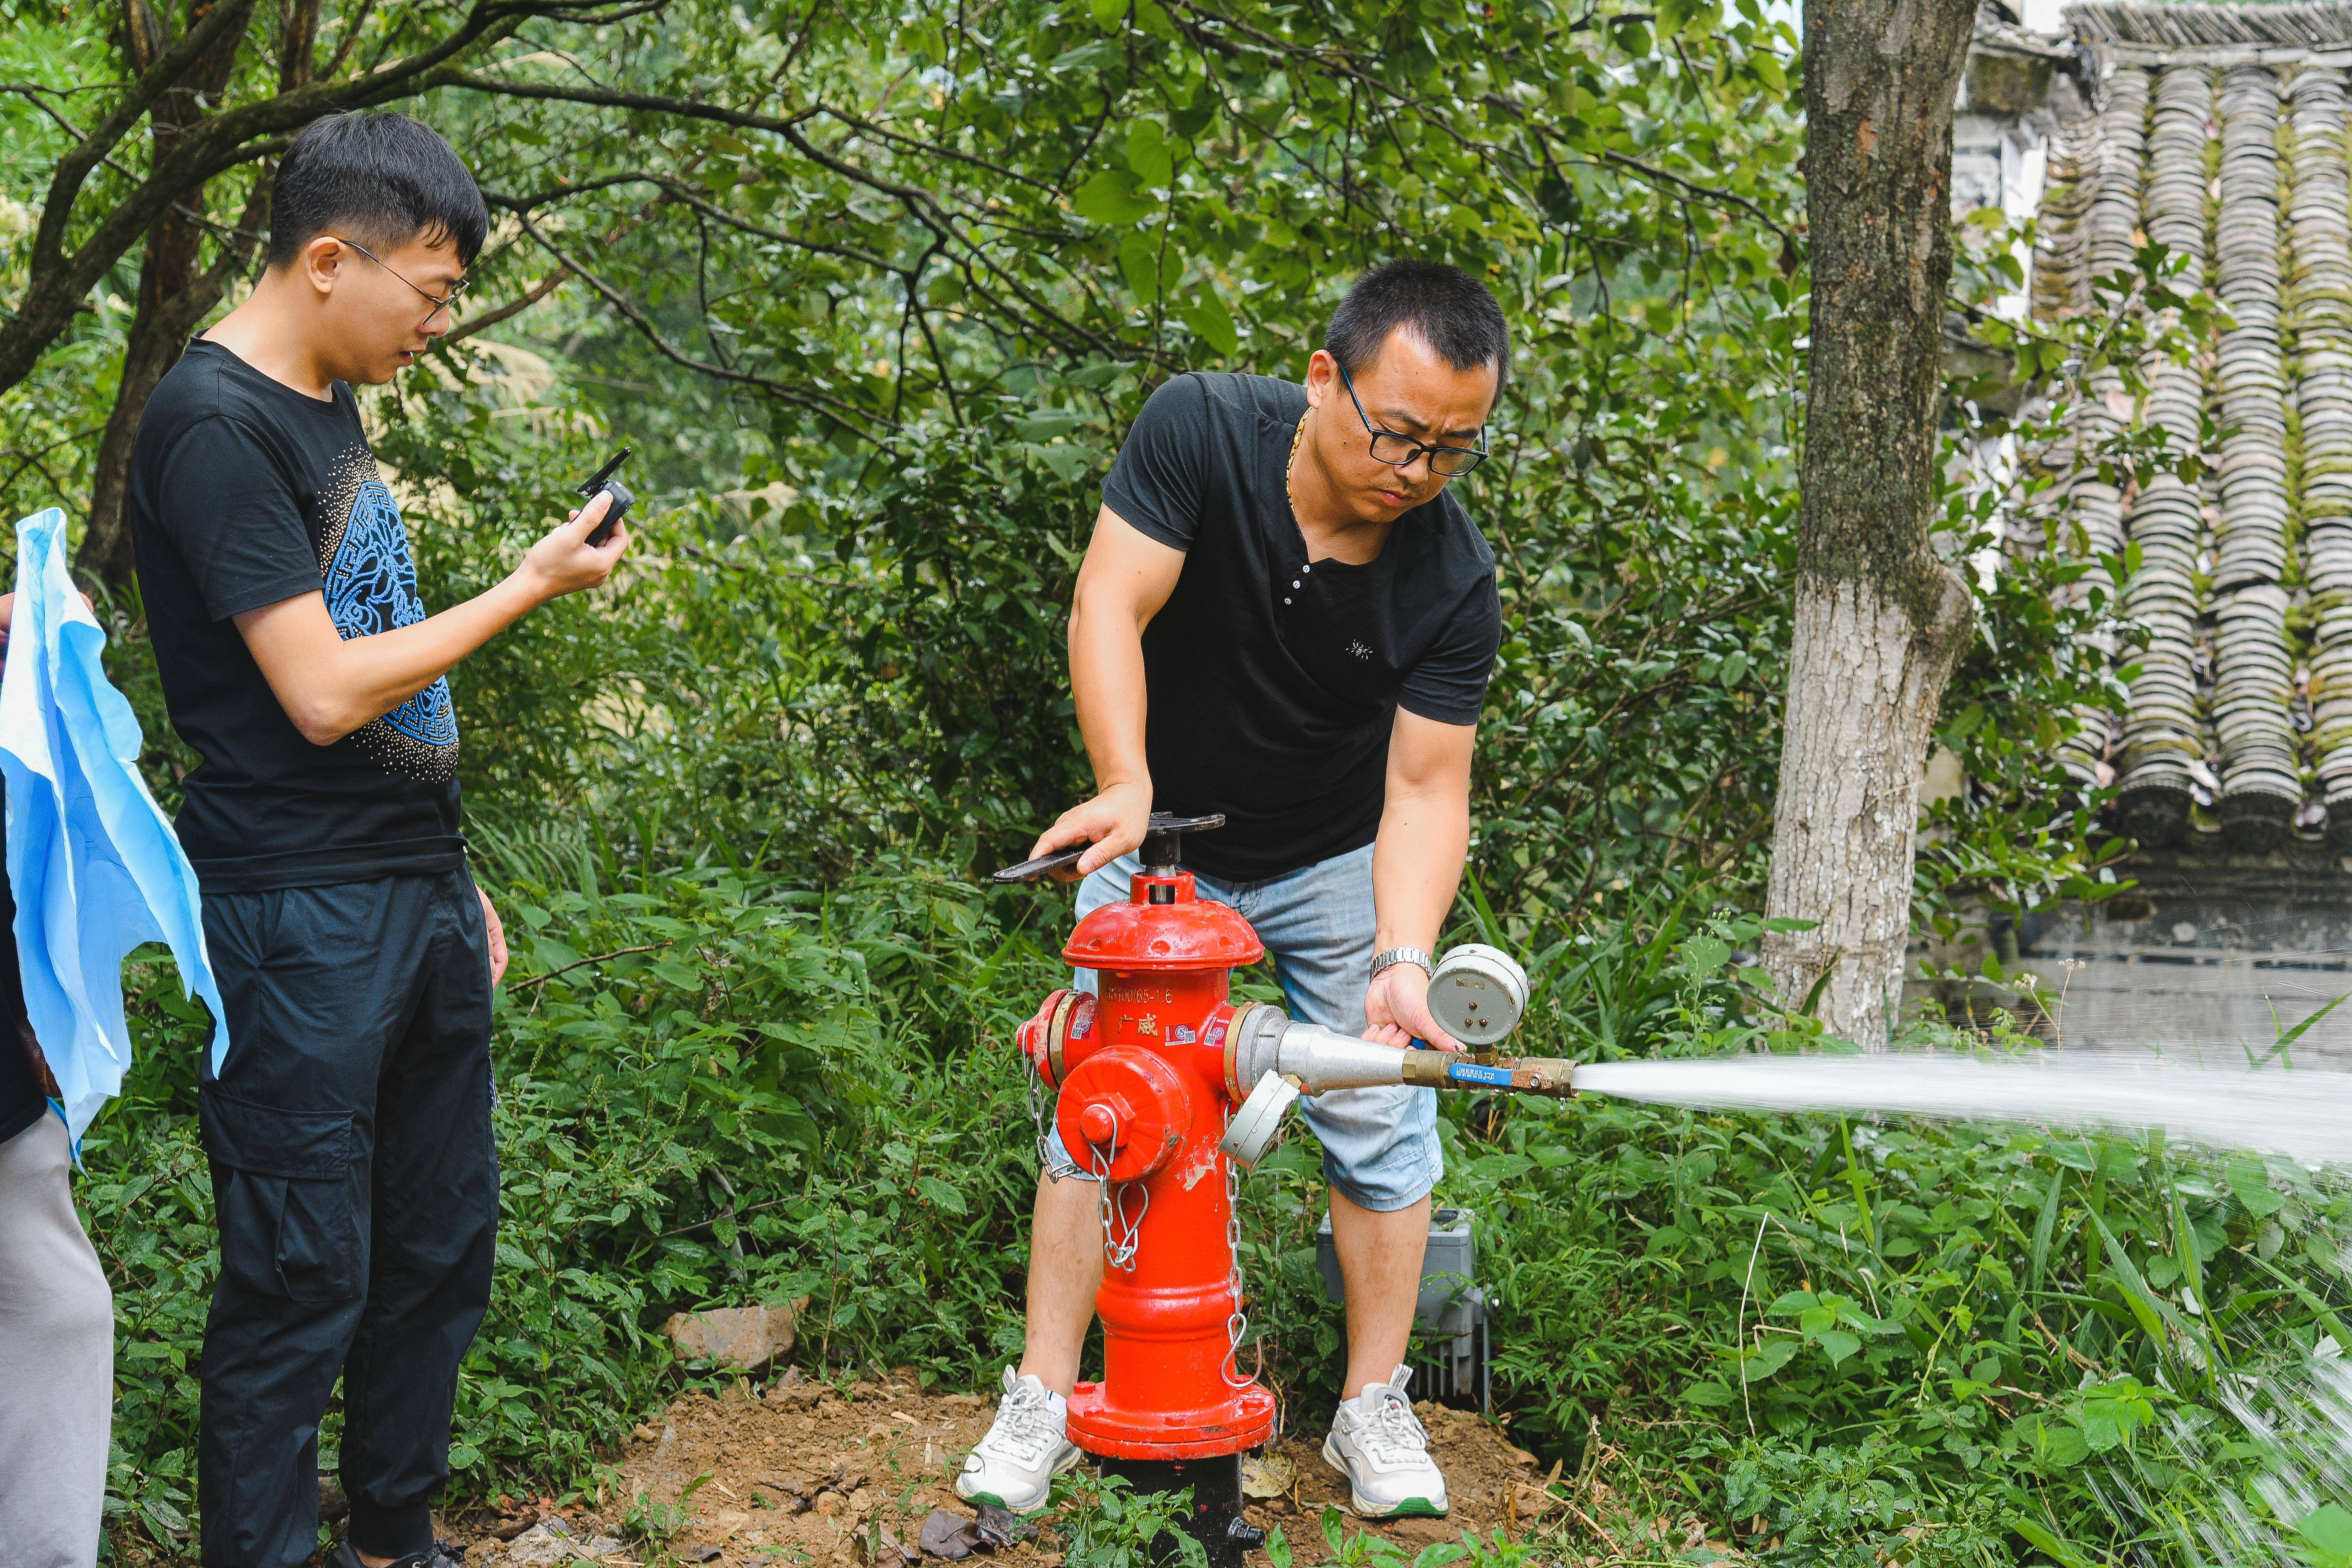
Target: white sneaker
[
  {"x": 1380, "y": 1446},
  {"x": 1015, "y": 1463}
]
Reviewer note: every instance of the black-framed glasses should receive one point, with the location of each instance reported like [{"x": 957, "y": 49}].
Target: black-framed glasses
[
  {"x": 440, "y": 303},
  {"x": 1399, "y": 451}
]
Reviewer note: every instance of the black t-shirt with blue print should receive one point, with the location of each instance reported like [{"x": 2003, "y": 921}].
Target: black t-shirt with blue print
[{"x": 245, "y": 492}]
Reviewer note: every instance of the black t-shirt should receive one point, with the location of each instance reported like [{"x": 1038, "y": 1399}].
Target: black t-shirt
[
  {"x": 1274, "y": 681},
  {"x": 245, "y": 492}
]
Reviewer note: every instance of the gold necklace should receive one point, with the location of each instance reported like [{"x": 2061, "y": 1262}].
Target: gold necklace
[{"x": 1290, "y": 466}]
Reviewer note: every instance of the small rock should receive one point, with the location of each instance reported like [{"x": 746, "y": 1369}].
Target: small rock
[
  {"x": 333, "y": 1506},
  {"x": 704, "y": 1554},
  {"x": 748, "y": 1337},
  {"x": 950, "y": 1535},
  {"x": 669, "y": 1435},
  {"x": 999, "y": 1526},
  {"x": 550, "y": 1543},
  {"x": 508, "y": 1529},
  {"x": 795, "y": 1395},
  {"x": 829, "y": 1503},
  {"x": 1266, "y": 1474},
  {"x": 965, "y": 1401},
  {"x": 864, "y": 1499},
  {"x": 1521, "y": 1456},
  {"x": 1531, "y": 1501},
  {"x": 644, "y": 1433}
]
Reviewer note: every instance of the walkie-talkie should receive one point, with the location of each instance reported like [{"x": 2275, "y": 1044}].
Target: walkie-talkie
[{"x": 602, "y": 483}]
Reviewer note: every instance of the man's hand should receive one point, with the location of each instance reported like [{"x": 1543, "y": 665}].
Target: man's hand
[
  {"x": 330, "y": 685},
  {"x": 564, "y": 561},
  {"x": 1113, "y": 822},
  {"x": 1397, "y": 1009},
  {"x": 494, "y": 932}
]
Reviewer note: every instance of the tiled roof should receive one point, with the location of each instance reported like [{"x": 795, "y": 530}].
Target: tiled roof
[{"x": 2219, "y": 131}]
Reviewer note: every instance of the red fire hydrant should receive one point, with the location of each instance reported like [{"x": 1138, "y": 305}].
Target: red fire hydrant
[
  {"x": 1141, "y": 1068},
  {"x": 1148, "y": 1071}
]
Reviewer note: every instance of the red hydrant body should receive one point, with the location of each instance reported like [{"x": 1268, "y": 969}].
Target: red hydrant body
[{"x": 1145, "y": 1093}]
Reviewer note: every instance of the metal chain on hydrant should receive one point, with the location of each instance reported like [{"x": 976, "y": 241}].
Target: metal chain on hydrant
[
  {"x": 1237, "y": 1324},
  {"x": 1121, "y": 1235}
]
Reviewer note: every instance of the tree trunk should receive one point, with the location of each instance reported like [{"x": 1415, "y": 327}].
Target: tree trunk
[
  {"x": 1879, "y": 621},
  {"x": 175, "y": 292}
]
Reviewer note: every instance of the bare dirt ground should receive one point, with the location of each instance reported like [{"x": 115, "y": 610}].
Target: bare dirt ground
[{"x": 803, "y": 1474}]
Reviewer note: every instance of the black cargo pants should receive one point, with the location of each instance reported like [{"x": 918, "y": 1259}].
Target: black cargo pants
[{"x": 357, "y": 1189}]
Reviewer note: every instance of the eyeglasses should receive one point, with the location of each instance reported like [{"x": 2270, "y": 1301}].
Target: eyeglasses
[
  {"x": 1399, "y": 451},
  {"x": 440, "y": 304}
]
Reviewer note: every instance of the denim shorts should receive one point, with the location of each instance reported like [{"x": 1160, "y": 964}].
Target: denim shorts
[{"x": 1379, "y": 1145}]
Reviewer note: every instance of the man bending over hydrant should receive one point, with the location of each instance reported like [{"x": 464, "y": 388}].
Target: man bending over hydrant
[{"x": 1283, "y": 617}]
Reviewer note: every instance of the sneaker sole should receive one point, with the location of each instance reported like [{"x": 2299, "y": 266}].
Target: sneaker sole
[
  {"x": 1364, "y": 1508},
  {"x": 1045, "y": 1495}
]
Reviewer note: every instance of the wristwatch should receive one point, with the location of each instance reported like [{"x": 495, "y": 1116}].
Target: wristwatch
[{"x": 1401, "y": 956}]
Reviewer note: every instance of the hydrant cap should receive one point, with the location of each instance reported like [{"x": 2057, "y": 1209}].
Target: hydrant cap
[{"x": 1194, "y": 934}]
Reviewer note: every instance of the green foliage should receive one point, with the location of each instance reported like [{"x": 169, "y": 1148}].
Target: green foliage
[
  {"x": 1110, "y": 1525},
  {"x": 651, "y": 1523}
]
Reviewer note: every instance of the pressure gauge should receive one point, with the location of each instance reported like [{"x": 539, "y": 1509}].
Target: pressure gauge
[{"x": 1478, "y": 994}]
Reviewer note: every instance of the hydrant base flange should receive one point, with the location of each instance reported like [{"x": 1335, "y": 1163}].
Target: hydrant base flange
[{"x": 1127, "y": 1435}]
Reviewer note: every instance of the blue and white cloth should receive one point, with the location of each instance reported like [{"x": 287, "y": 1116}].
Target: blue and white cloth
[{"x": 92, "y": 860}]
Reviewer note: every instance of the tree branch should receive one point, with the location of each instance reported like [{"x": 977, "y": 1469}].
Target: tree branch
[
  {"x": 74, "y": 168},
  {"x": 687, "y": 108},
  {"x": 826, "y": 407},
  {"x": 512, "y": 308},
  {"x": 1709, "y": 192}
]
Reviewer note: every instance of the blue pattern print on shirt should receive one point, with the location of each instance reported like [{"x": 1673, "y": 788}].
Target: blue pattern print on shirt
[{"x": 370, "y": 588}]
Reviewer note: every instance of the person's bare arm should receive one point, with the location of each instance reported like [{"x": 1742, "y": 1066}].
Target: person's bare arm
[
  {"x": 1125, "y": 578},
  {"x": 1424, "y": 837},
  {"x": 329, "y": 686}
]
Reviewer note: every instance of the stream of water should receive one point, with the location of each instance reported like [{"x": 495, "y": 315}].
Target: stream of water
[
  {"x": 2297, "y": 1410},
  {"x": 2306, "y": 1116}
]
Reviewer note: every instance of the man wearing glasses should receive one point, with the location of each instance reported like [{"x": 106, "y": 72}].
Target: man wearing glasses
[
  {"x": 354, "y": 1171},
  {"x": 1285, "y": 616}
]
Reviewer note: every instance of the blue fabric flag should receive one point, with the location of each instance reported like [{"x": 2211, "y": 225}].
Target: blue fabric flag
[{"x": 95, "y": 866}]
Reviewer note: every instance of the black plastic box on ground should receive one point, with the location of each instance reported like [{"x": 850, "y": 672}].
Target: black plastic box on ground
[{"x": 1452, "y": 1347}]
